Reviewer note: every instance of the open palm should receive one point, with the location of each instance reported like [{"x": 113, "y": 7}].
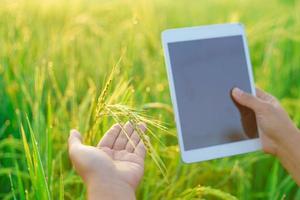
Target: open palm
[{"x": 115, "y": 160}]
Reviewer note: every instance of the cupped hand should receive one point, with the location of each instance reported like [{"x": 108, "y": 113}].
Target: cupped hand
[{"x": 116, "y": 162}]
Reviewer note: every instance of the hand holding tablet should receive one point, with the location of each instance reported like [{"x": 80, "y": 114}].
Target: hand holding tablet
[{"x": 204, "y": 64}]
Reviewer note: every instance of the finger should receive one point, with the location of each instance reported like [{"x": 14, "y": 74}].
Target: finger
[
  {"x": 110, "y": 136},
  {"x": 135, "y": 138},
  {"x": 74, "y": 140},
  {"x": 263, "y": 95},
  {"x": 122, "y": 138},
  {"x": 140, "y": 149},
  {"x": 247, "y": 99}
]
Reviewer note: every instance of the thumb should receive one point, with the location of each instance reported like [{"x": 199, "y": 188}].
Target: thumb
[
  {"x": 246, "y": 99},
  {"x": 75, "y": 139}
]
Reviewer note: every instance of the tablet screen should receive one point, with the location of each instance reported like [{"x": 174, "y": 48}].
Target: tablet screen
[{"x": 204, "y": 73}]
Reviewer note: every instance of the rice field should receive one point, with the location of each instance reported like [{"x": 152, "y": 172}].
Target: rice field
[{"x": 87, "y": 64}]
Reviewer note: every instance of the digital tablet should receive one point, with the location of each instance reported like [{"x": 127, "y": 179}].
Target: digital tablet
[{"x": 203, "y": 65}]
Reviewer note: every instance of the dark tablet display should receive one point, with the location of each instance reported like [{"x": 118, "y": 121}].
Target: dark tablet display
[{"x": 204, "y": 73}]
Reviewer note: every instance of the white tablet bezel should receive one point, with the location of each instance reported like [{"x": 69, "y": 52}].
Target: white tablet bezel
[{"x": 204, "y": 32}]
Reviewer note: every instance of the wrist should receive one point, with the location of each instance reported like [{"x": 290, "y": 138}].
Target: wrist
[
  {"x": 289, "y": 156},
  {"x": 288, "y": 144},
  {"x": 109, "y": 190}
]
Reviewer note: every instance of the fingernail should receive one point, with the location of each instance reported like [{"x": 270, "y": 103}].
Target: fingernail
[{"x": 237, "y": 92}]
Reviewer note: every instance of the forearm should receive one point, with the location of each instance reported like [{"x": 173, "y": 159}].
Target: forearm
[
  {"x": 289, "y": 154},
  {"x": 119, "y": 191}
]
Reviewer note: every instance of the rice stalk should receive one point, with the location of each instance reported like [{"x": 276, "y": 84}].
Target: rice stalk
[
  {"x": 149, "y": 148},
  {"x": 34, "y": 165},
  {"x": 54, "y": 82},
  {"x": 107, "y": 106},
  {"x": 12, "y": 187},
  {"x": 100, "y": 103},
  {"x": 104, "y": 93},
  {"x": 160, "y": 106},
  {"x": 204, "y": 192},
  {"x": 135, "y": 116},
  {"x": 61, "y": 181},
  {"x": 4, "y": 127},
  {"x": 118, "y": 111}
]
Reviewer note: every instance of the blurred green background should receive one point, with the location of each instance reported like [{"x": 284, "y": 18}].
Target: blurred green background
[{"x": 55, "y": 56}]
